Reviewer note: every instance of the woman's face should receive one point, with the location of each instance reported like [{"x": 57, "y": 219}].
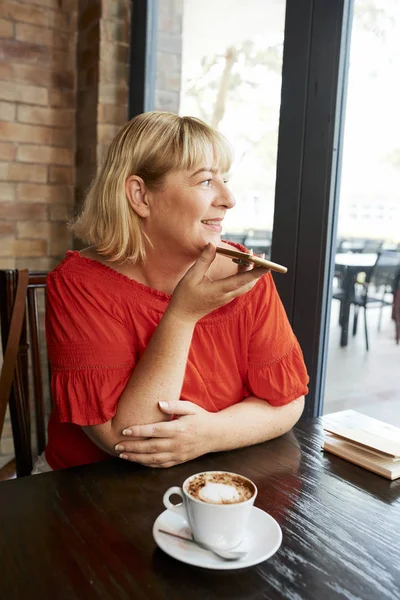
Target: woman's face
[{"x": 188, "y": 211}]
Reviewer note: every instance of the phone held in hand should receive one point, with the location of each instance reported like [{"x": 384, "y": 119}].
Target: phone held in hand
[{"x": 247, "y": 258}]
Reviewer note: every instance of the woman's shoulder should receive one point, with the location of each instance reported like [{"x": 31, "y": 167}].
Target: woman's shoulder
[{"x": 98, "y": 279}]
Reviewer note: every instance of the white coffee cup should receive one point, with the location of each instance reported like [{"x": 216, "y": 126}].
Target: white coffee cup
[{"x": 216, "y": 521}]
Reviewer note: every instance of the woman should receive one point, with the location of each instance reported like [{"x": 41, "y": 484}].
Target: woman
[{"x": 160, "y": 350}]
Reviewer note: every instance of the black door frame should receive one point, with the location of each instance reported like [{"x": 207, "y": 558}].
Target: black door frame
[{"x": 306, "y": 199}]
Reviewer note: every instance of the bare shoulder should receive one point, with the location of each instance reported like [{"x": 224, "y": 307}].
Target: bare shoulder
[{"x": 124, "y": 268}]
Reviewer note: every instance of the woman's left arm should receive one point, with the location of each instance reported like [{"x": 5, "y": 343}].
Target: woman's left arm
[
  {"x": 253, "y": 421},
  {"x": 195, "y": 431}
]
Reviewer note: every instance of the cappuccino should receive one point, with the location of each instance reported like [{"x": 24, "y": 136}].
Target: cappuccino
[{"x": 220, "y": 487}]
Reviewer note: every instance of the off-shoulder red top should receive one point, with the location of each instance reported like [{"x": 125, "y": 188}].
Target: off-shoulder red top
[{"x": 98, "y": 324}]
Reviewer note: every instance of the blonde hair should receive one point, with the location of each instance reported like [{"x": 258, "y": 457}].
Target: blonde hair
[{"x": 149, "y": 146}]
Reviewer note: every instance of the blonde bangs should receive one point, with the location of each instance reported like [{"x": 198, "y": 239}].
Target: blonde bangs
[
  {"x": 202, "y": 146},
  {"x": 149, "y": 146}
]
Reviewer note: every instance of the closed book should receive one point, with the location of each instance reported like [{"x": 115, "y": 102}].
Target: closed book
[{"x": 364, "y": 441}]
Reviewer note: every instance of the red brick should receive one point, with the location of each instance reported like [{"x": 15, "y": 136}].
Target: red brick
[
  {"x": 116, "y": 9},
  {"x": 114, "y": 52},
  {"x": 106, "y": 133},
  {"x": 63, "y": 79},
  {"x": 113, "y": 72},
  {"x": 46, "y": 37},
  {"x": 7, "y": 151},
  {"x": 38, "y": 263},
  {"x": 115, "y": 31},
  {"x": 37, "y": 230},
  {"x": 27, "y": 13},
  {"x": 52, "y": 194},
  {"x": 61, "y": 98},
  {"x": 69, "y": 6},
  {"x": 7, "y": 263},
  {"x": 44, "y": 154},
  {"x": 63, "y": 137},
  {"x": 55, "y": 4},
  {"x": 7, "y": 111},
  {"x": 110, "y": 93},
  {"x": 7, "y": 228},
  {"x": 60, "y": 212},
  {"x": 16, "y": 211},
  {"x": 19, "y": 51},
  {"x": 62, "y": 60},
  {"x": 59, "y": 239},
  {"x": 31, "y": 74},
  {"x": 6, "y": 29},
  {"x": 64, "y": 175},
  {"x": 19, "y": 132},
  {"x": 21, "y": 92},
  {"x": 21, "y": 172},
  {"x": 46, "y": 116},
  {"x": 29, "y": 248},
  {"x": 7, "y": 190},
  {"x": 5, "y": 71},
  {"x": 6, "y": 247}
]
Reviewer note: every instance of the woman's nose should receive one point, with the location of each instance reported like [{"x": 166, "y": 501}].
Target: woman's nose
[{"x": 225, "y": 197}]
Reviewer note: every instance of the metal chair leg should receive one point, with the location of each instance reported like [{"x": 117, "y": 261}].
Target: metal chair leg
[
  {"x": 366, "y": 328},
  {"x": 355, "y": 320},
  {"x": 380, "y": 317}
]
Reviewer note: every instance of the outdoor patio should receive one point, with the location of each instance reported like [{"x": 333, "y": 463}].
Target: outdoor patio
[{"x": 368, "y": 382}]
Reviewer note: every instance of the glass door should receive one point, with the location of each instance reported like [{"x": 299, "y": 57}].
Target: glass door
[
  {"x": 363, "y": 358},
  {"x": 231, "y": 78}
]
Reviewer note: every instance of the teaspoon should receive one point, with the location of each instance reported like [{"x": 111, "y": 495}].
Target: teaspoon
[{"x": 225, "y": 554}]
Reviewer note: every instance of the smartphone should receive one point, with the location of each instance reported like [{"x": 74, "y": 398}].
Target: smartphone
[{"x": 246, "y": 258}]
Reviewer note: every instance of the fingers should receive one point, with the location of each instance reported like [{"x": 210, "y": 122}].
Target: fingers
[
  {"x": 153, "y": 430},
  {"x": 151, "y": 460},
  {"x": 151, "y": 446},
  {"x": 241, "y": 282},
  {"x": 202, "y": 264},
  {"x": 179, "y": 407}
]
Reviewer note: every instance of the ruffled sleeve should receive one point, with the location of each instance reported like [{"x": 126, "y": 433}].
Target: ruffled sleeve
[
  {"x": 91, "y": 353},
  {"x": 276, "y": 369}
]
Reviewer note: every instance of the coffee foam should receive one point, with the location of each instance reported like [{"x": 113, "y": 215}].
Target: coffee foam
[
  {"x": 215, "y": 487},
  {"x": 219, "y": 493}
]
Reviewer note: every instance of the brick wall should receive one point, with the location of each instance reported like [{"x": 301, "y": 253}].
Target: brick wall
[
  {"x": 37, "y": 130},
  {"x": 64, "y": 77}
]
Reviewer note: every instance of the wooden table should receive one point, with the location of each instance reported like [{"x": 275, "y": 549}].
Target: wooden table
[
  {"x": 85, "y": 533},
  {"x": 349, "y": 265}
]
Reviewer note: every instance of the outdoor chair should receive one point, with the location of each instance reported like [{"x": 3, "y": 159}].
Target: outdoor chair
[
  {"x": 378, "y": 289},
  {"x": 29, "y": 398}
]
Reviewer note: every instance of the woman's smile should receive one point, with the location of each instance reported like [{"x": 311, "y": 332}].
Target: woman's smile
[{"x": 213, "y": 224}]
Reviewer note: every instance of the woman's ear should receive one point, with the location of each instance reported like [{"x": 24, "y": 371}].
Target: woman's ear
[{"x": 137, "y": 195}]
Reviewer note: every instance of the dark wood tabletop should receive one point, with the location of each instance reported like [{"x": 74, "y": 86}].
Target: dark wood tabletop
[{"x": 85, "y": 533}]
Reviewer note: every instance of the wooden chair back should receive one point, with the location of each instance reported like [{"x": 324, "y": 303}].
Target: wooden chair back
[{"x": 29, "y": 401}]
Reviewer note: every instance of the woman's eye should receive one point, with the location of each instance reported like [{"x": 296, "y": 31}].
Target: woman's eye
[
  {"x": 226, "y": 181},
  {"x": 206, "y": 182}
]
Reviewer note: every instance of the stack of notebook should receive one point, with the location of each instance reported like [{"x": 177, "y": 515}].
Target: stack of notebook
[{"x": 373, "y": 444}]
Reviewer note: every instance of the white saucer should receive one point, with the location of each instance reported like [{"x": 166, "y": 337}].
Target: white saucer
[{"x": 263, "y": 539}]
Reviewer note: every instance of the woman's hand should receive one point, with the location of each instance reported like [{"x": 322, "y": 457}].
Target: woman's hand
[
  {"x": 169, "y": 443},
  {"x": 196, "y": 294}
]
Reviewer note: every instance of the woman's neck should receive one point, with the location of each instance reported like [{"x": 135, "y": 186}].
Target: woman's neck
[{"x": 160, "y": 271}]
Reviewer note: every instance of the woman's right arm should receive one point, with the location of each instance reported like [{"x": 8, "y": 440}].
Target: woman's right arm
[{"x": 158, "y": 376}]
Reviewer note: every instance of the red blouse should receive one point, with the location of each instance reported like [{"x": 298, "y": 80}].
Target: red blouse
[{"x": 99, "y": 322}]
